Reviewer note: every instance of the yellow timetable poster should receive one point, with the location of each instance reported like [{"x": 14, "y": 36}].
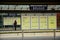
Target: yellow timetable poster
[
  {"x": 52, "y": 22},
  {"x": 10, "y": 20},
  {"x": 43, "y": 22},
  {"x": 34, "y": 22},
  {"x": 25, "y": 22}
]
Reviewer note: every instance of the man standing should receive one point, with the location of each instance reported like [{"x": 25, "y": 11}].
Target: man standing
[{"x": 15, "y": 24}]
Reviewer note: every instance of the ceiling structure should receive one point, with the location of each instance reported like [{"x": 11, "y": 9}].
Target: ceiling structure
[
  {"x": 16, "y": 2},
  {"x": 28, "y": 2}
]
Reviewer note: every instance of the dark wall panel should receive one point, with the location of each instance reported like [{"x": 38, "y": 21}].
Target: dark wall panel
[{"x": 58, "y": 20}]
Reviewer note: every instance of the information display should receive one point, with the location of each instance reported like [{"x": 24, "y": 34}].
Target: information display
[
  {"x": 38, "y": 7},
  {"x": 43, "y": 22},
  {"x": 25, "y": 22},
  {"x": 34, "y": 22},
  {"x": 52, "y": 22},
  {"x": 10, "y": 20}
]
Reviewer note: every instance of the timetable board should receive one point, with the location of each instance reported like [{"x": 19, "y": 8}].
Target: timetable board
[
  {"x": 10, "y": 20},
  {"x": 43, "y": 22},
  {"x": 34, "y": 22},
  {"x": 52, "y": 22},
  {"x": 39, "y": 22},
  {"x": 25, "y": 22}
]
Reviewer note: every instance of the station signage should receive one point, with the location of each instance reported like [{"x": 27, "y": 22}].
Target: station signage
[
  {"x": 38, "y": 7},
  {"x": 12, "y": 14}
]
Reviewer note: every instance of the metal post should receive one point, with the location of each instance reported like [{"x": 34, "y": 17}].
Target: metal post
[
  {"x": 54, "y": 34},
  {"x": 22, "y": 34},
  {"x": 34, "y": 33}
]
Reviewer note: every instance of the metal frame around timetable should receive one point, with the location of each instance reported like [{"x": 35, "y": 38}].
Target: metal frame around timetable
[
  {"x": 39, "y": 21},
  {"x": 30, "y": 21},
  {"x": 21, "y": 21},
  {"x": 56, "y": 20},
  {"x": 47, "y": 23}
]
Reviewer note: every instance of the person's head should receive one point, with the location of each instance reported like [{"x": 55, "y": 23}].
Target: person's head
[{"x": 15, "y": 20}]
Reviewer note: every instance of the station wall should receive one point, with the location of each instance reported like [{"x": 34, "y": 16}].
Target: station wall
[{"x": 34, "y": 21}]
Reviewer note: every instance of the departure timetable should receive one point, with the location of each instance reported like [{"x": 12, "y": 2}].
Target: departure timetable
[
  {"x": 25, "y": 22},
  {"x": 43, "y": 22},
  {"x": 52, "y": 22},
  {"x": 34, "y": 22},
  {"x": 39, "y": 22}
]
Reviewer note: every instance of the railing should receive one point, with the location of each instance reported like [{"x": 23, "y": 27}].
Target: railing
[
  {"x": 24, "y": 32},
  {"x": 40, "y": 31}
]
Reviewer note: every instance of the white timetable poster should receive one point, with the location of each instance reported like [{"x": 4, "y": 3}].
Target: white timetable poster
[
  {"x": 52, "y": 22},
  {"x": 43, "y": 22},
  {"x": 34, "y": 22},
  {"x": 25, "y": 22}
]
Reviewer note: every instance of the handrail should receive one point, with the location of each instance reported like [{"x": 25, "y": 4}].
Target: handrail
[
  {"x": 30, "y": 31},
  {"x": 29, "y": 3},
  {"x": 28, "y": 11}
]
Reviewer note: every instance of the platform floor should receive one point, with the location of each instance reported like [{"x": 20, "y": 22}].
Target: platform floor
[{"x": 30, "y": 36}]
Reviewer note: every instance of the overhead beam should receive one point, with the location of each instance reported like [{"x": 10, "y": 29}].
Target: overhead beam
[
  {"x": 29, "y": 3},
  {"x": 27, "y": 11},
  {"x": 29, "y": 0}
]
